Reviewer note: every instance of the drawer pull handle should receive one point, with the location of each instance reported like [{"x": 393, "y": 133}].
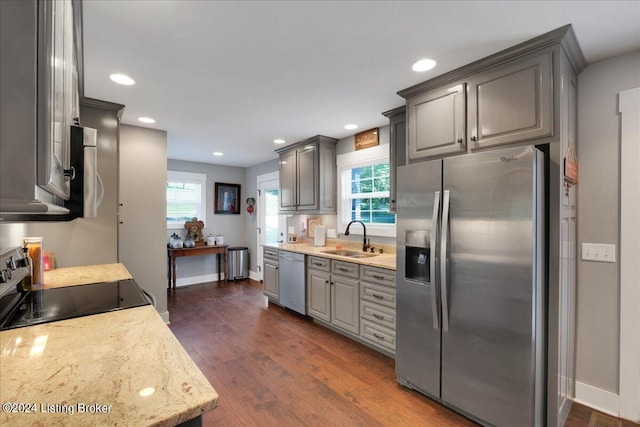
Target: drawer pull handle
[
  {"x": 377, "y": 276},
  {"x": 318, "y": 264},
  {"x": 343, "y": 269},
  {"x": 380, "y": 337},
  {"x": 377, "y": 296},
  {"x": 377, "y": 316}
]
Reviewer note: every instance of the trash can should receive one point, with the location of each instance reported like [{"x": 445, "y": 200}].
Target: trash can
[{"x": 238, "y": 263}]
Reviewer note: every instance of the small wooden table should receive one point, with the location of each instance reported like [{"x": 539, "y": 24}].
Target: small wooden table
[{"x": 216, "y": 250}]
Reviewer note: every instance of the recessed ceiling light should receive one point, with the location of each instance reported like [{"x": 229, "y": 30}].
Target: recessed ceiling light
[
  {"x": 217, "y": 153},
  {"x": 279, "y": 141},
  {"x": 122, "y": 79},
  {"x": 146, "y": 120},
  {"x": 351, "y": 126},
  {"x": 423, "y": 65}
]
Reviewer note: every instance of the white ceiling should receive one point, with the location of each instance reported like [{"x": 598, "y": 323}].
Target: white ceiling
[{"x": 234, "y": 76}]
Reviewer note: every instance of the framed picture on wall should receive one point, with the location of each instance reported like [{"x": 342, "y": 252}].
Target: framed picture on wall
[{"x": 227, "y": 198}]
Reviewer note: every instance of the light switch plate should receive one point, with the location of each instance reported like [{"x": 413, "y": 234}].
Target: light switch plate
[{"x": 598, "y": 252}]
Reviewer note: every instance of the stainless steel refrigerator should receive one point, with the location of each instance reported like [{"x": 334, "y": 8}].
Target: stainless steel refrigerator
[{"x": 470, "y": 284}]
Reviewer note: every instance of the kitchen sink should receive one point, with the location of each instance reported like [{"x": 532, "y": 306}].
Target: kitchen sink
[{"x": 350, "y": 254}]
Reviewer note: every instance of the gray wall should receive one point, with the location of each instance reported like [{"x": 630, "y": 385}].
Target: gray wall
[
  {"x": 142, "y": 214},
  {"x": 250, "y": 178},
  {"x": 597, "y": 347},
  {"x": 232, "y": 226}
]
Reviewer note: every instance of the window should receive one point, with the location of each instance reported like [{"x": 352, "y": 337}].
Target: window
[
  {"x": 186, "y": 197},
  {"x": 364, "y": 190}
]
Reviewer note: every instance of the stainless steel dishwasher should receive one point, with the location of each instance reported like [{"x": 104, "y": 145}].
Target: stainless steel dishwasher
[{"x": 293, "y": 293}]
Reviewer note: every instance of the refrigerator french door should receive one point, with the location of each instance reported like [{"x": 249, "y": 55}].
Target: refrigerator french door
[{"x": 470, "y": 286}]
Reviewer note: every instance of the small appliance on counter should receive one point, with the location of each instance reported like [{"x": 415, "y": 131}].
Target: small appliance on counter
[
  {"x": 292, "y": 238},
  {"x": 319, "y": 235}
]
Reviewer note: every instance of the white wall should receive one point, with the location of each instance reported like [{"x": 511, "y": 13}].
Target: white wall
[
  {"x": 597, "y": 347},
  {"x": 204, "y": 268}
]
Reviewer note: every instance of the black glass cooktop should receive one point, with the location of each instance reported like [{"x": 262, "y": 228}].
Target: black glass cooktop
[{"x": 49, "y": 305}]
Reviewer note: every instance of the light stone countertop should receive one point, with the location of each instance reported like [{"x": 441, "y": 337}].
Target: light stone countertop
[
  {"x": 71, "y": 276},
  {"x": 128, "y": 362},
  {"x": 385, "y": 260}
]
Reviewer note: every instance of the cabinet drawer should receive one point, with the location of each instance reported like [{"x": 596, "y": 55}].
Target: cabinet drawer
[
  {"x": 378, "y": 275},
  {"x": 345, "y": 269},
  {"x": 319, "y": 263},
  {"x": 379, "y": 294},
  {"x": 378, "y": 335},
  {"x": 378, "y": 314},
  {"x": 270, "y": 253}
]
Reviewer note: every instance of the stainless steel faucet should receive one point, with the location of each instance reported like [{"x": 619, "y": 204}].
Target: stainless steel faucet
[{"x": 365, "y": 244}]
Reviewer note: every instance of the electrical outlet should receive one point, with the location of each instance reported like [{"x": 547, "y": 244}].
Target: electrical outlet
[{"x": 598, "y": 252}]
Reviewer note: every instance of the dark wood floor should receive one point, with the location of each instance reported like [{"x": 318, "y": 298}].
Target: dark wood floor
[{"x": 272, "y": 367}]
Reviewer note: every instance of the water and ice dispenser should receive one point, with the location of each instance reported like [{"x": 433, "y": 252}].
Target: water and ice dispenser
[{"x": 417, "y": 255}]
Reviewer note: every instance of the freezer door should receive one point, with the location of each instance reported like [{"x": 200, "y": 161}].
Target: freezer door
[
  {"x": 418, "y": 319},
  {"x": 491, "y": 350}
]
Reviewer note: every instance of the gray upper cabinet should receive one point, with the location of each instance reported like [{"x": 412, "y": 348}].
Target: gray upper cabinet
[
  {"x": 308, "y": 176},
  {"x": 436, "y": 122},
  {"x": 397, "y": 148},
  {"x": 512, "y": 103},
  {"x": 508, "y": 98}
]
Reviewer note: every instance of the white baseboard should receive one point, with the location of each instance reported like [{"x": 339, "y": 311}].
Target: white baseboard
[
  {"x": 193, "y": 280},
  {"x": 596, "y": 398},
  {"x": 165, "y": 317},
  {"x": 253, "y": 275}
]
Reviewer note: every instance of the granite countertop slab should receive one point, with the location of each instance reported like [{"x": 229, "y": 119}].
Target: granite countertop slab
[
  {"x": 71, "y": 276},
  {"x": 385, "y": 260},
  {"x": 119, "y": 368}
]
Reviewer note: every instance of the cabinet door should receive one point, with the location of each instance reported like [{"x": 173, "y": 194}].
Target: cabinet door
[
  {"x": 345, "y": 304},
  {"x": 512, "y": 103},
  {"x": 436, "y": 122},
  {"x": 397, "y": 153},
  {"x": 271, "y": 287},
  {"x": 288, "y": 181},
  {"x": 308, "y": 177},
  {"x": 319, "y": 294}
]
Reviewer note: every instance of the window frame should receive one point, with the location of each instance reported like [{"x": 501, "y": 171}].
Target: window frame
[
  {"x": 191, "y": 177},
  {"x": 354, "y": 159}
]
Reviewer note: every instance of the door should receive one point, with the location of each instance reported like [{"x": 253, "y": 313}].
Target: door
[
  {"x": 319, "y": 291},
  {"x": 490, "y": 292},
  {"x": 512, "y": 104},
  {"x": 288, "y": 181},
  {"x": 270, "y": 226},
  {"x": 307, "y": 191},
  {"x": 271, "y": 284},
  {"x": 436, "y": 121},
  {"x": 418, "y": 318},
  {"x": 345, "y": 307}
]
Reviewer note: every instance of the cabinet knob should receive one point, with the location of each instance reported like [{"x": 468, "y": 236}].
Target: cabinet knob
[
  {"x": 460, "y": 141},
  {"x": 474, "y": 138},
  {"x": 326, "y": 281}
]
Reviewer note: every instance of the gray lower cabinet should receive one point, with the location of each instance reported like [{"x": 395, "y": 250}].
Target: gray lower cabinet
[
  {"x": 378, "y": 307},
  {"x": 271, "y": 274},
  {"x": 308, "y": 176},
  {"x": 511, "y": 103},
  {"x": 333, "y": 292}
]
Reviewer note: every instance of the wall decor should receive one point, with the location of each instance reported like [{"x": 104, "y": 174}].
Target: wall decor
[
  {"x": 311, "y": 225},
  {"x": 226, "y": 198},
  {"x": 366, "y": 139}
]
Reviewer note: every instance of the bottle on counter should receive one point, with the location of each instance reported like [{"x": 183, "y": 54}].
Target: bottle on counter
[{"x": 33, "y": 246}]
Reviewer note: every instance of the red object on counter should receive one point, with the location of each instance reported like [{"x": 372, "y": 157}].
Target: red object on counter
[{"x": 46, "y": 262}]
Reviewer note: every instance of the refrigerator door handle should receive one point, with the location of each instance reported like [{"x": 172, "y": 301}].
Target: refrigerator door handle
[
  {"x": 432, "y": 259},
  {"x": 444, "y": 240}
]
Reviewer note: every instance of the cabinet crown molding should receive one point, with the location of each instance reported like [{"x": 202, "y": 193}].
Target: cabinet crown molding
[{"x": 563, "y": 37}]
